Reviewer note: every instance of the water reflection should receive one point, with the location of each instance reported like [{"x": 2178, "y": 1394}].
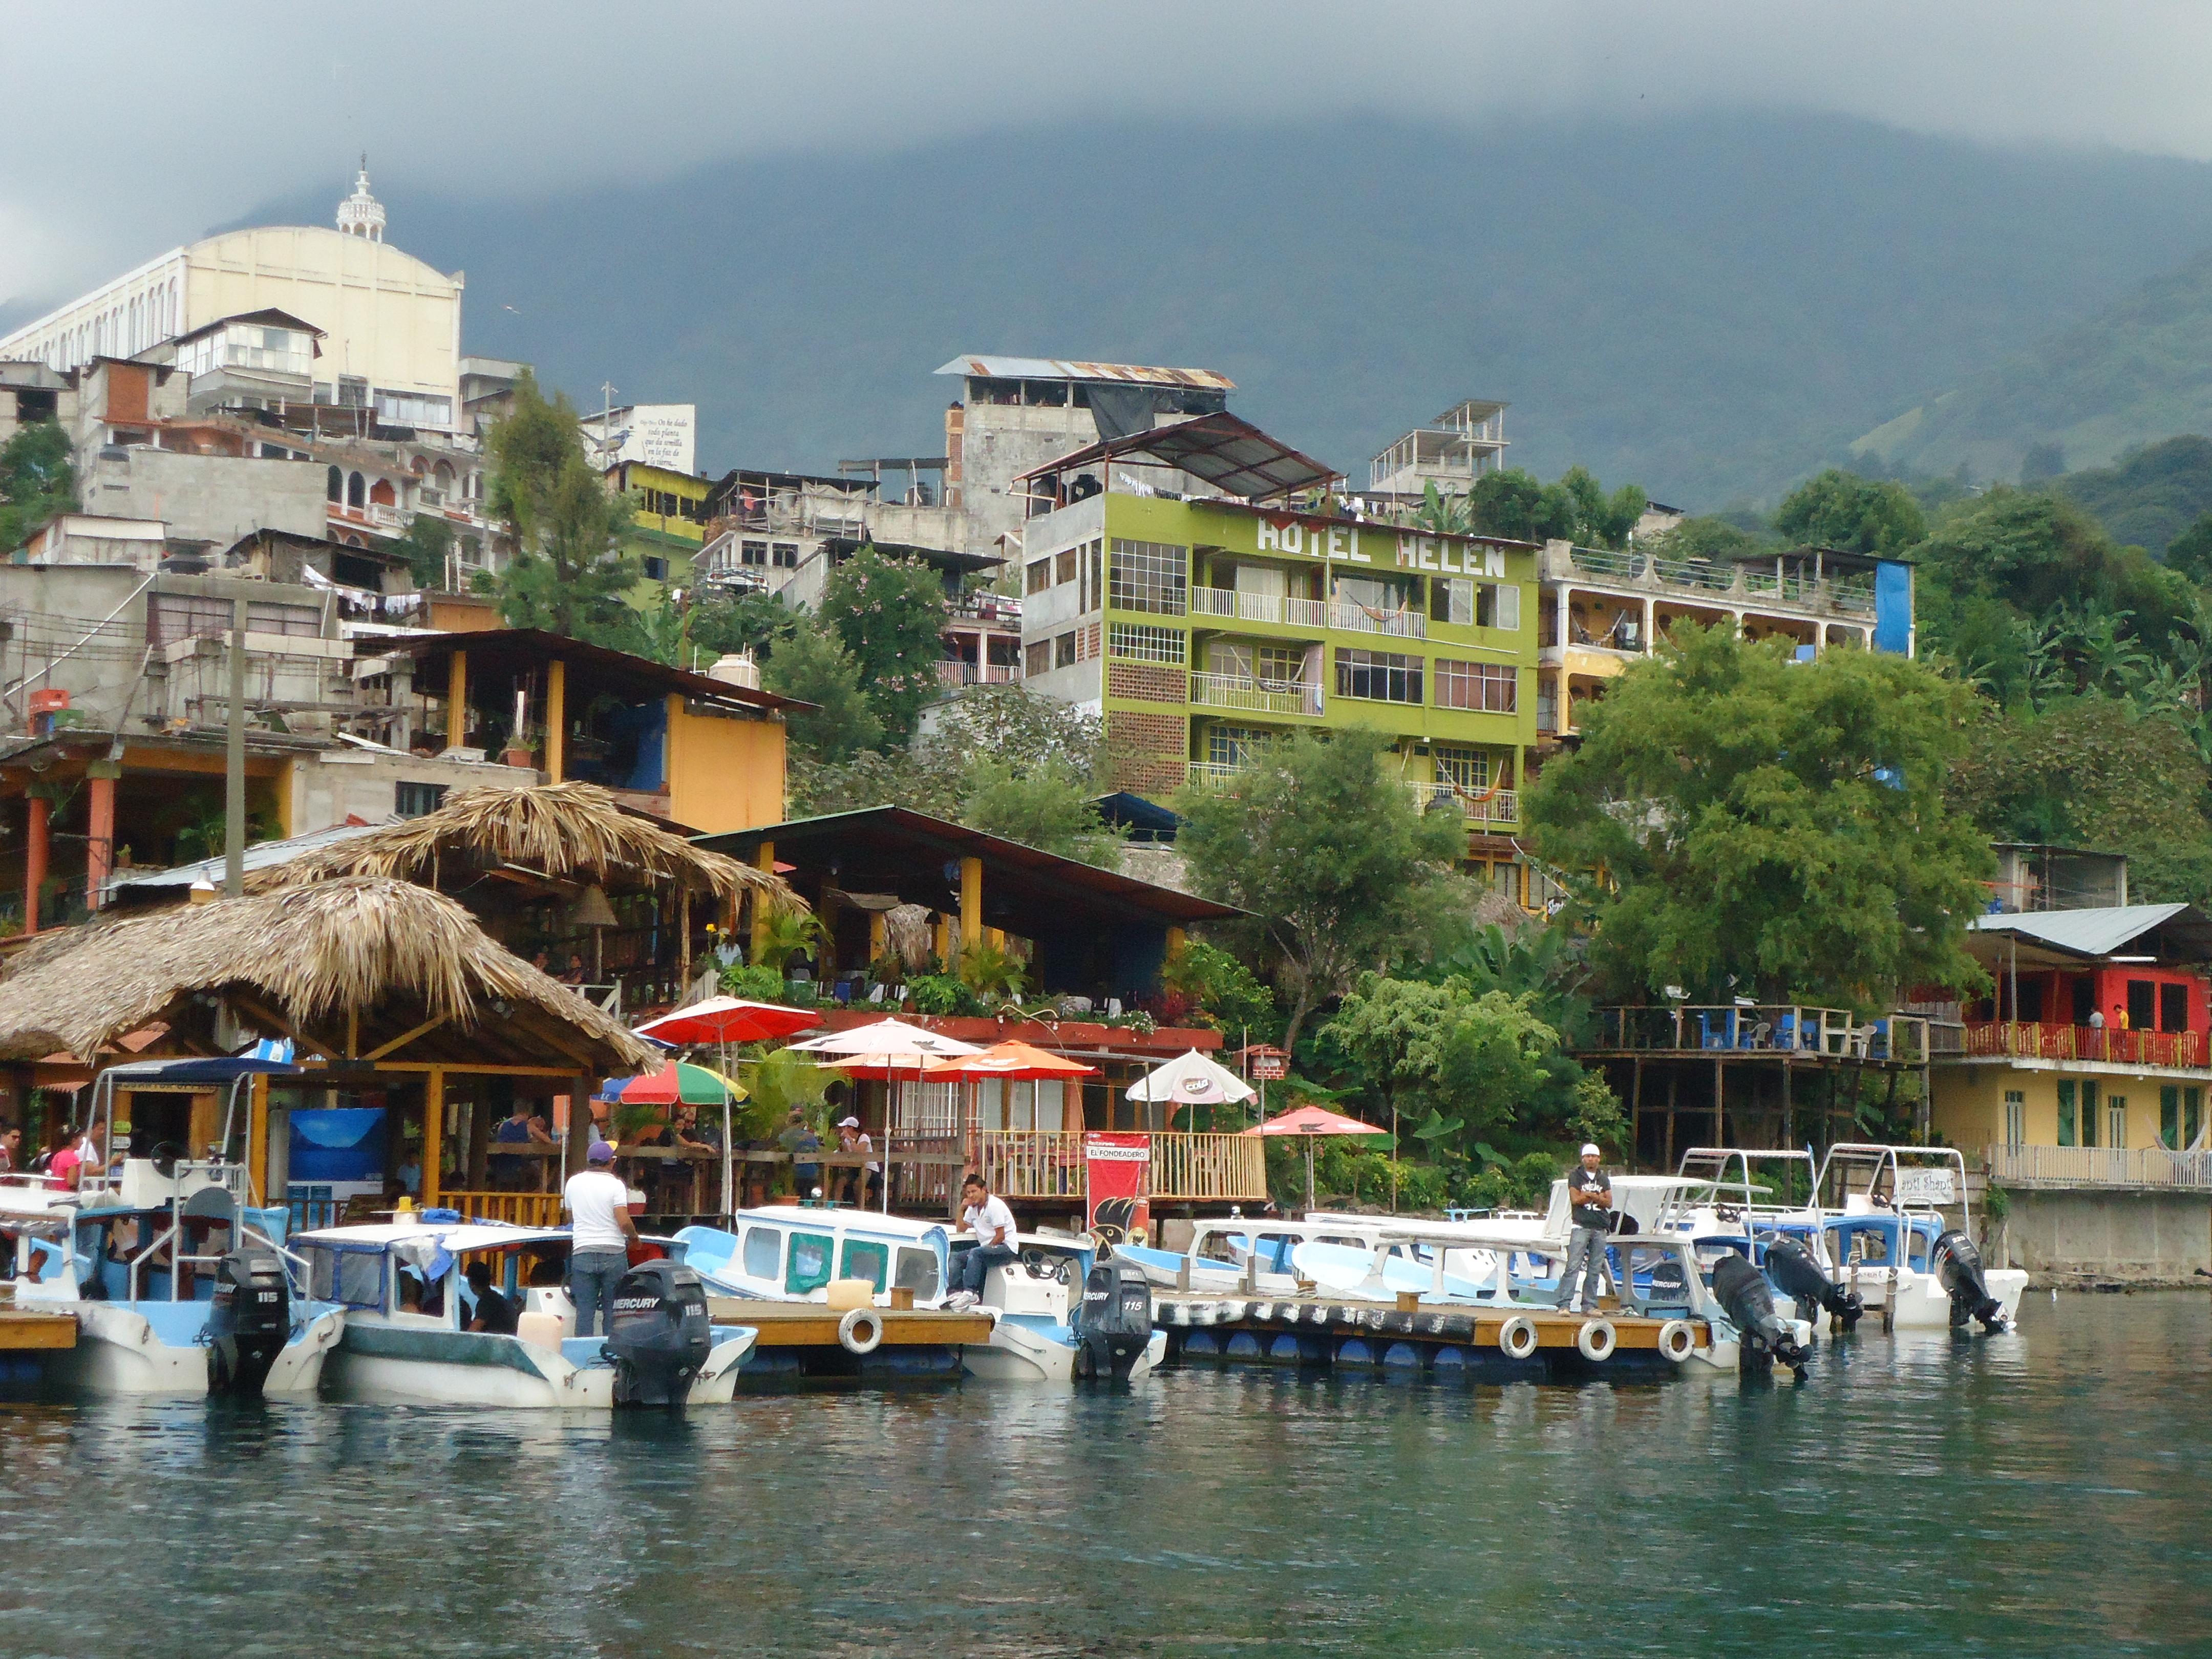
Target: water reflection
[{"x": 2042, "y": 1493}]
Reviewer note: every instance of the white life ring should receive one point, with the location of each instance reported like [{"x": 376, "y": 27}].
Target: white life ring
[
  {"x": 850, "y": 1326},
  {"x": 1517, "y": 1337},
  {"x": 1596, "y": 1339},
  {"x": 1677, "y": 1340}
]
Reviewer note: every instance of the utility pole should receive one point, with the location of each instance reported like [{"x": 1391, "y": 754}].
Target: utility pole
[{"x": 233, "y": 768}]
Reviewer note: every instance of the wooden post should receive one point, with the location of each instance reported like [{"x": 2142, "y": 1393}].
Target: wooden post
[
  {"x": 971, "y": 903},
  {"x": 1788, "y": 1118},
  {"x": 556, "y": 718},
  {"x": 99, "y": 833},
  {"x": 1636, "y": 1105},
  {"x": 433, "y": 1134},
  {"x": 456, "y": 700},
  {"x": 879, "y": 935},
  {"x": 764, "y": 860},
  {"x": 684, "y": 941},
  {"x": 1674, "y": 1084},
  {"x": 1720, "y": 1110},
  {"x": 34, "y": 859},
  {"x": 257, "y": 1140}
]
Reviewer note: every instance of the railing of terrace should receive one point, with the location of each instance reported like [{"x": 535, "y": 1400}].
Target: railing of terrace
[{"x": 2035, "y": 1040}]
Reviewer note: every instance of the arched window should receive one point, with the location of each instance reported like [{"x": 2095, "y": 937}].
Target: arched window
[
  {"x": 444, "y": 475},
  {"x": 335, "y": 489},
  {"x": 357, "y": 491},
  {"x": 380, "y": 493}
]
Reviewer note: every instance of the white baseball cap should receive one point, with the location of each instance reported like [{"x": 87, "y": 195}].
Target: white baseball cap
[
  {"x": 1590, "y": 1149},
  {"x": 848, "y": 1123}
]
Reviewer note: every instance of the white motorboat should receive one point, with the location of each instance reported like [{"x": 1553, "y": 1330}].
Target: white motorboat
[{"x": 1884, "y": 1211}]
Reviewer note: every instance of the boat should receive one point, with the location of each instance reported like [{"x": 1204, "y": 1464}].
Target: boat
[
  {"x": 406, "y": 1341},
  {"x": 863, "y": 1259},
  {"x": 1883, "y": 1215}
]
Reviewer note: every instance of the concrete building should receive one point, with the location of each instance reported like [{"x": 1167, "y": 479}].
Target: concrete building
[
  {"x": 1459, "y": 446},
  {"x": 391, "y": 323},
  {"x": 1015, "y": 414},
  {"x": 1205, "y": 623}
]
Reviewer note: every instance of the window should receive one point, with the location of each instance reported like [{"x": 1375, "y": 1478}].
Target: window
[
  {"x": 655, "y": 569},
  {"x": 1038, "y": 577},
  {"x": 2116, "y": 1121},
  {"x": 1063, "y": 650},
  {"x": 1063, "y": 565},
  {"x": 1234, "y": 746},
  {"x": 1037, "y": 658},
  {"x": 1498, "y": 604},
  {"x": 1135, "y": 642},
  {"x": 1451, "y": 601},
  {"x": 413, "y": 409},
  {"x": 866, "y": 1259},
  {"x": 1378, "y": 676},
  {"x": 1094, "y": 579},
  {"x": 1463, "y": 768},
  {"x": 2015, "y": 1118},
  {"x": 356, "y": 490},
  {"x": 752, "y": 552},
  {"x": 2089, "y": 1119},
  {"x": 764, "y": 1253},
  {"x": 1380, "y": 596},
  {"x": 2143, "y": 1004},
  {"x": 1485, "y": 688},
  {"x": 810, "y": 1263},
  {"x": 786, "y": 555},
  {"x": 1149, "y": 576},
  {"x": 2066, "y": 1136},
  {"x": 414, "y": 800},
  {"x": 2174, "y": 1007},
  {"x": 917, "y": 1272},
  {"x": 335, "y": 490}
]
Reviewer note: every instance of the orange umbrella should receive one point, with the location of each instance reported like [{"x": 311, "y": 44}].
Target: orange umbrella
[{"x": 1013, "y": 1061}]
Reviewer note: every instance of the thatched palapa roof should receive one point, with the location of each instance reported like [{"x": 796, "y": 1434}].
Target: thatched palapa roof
[
  {"x": 415, "y": 973},
  {"x": 556, "y": 833}
]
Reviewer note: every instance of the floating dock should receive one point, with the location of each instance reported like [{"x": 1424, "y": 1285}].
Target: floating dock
[
  {"x": 1445, "y": 1340},
  {"x": 28, "y": 1329},
  {"x": 798, "y": 1342}
]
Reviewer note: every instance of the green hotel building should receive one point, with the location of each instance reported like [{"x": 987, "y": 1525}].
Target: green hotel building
[{"x": 1165, "y": 584}]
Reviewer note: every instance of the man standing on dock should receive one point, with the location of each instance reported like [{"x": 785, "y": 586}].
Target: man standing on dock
[{"x": 1589, "y": 1194}]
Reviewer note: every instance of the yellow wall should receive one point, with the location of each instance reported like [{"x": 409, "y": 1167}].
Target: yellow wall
[
  {"x": 1968, "y": 1109},
  {"x": 723, "y": 774}
]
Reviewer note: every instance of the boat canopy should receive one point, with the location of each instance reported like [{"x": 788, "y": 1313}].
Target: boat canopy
[{"x": 455, "y": 1238}]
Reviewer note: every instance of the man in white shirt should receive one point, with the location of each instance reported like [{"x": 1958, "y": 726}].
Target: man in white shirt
[
  {"x": 993, "y": 1225},
  {"x": 600, "y": 1230}
]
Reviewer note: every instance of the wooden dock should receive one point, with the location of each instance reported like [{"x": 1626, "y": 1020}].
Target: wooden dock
[
  {"x": 810, "y": 1325},
  {"x": 29, "y": 1329},
  {"x": 1449, "y": 1339}
]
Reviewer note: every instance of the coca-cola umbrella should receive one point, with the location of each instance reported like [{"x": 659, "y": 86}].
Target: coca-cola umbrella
[{"x": 1313, "y": 1122}]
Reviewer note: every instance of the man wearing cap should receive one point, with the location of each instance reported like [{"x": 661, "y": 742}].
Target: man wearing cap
[
  {"x": 600, "y": 1230},
  {"x": 851, "y": 1140},
  {"x": 1589, "y": 1196}
]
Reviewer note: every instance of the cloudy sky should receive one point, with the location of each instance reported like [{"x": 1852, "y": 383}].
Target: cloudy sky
[{"x": 204, "y": 111}]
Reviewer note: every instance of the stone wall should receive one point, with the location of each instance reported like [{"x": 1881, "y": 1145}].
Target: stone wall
[{"x": 2079, "y": 1233}]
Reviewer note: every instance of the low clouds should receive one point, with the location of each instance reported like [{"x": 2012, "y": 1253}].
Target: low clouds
[{"x": 203, "y": 111}]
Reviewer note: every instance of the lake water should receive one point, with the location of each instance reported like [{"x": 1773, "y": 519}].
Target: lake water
[{"x": 2049, "y": 1493}]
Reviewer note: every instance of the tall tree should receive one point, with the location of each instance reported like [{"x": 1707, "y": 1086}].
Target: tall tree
[
  {"x": 1742, "y": 822},
  {"x": 566, "y": 575},
  {"x": 1511, "y": 503},
  {"x": 36, "y": 481},
  {"x": 1322, "y": 845},
  {"x": 424, "y": 544},
  {"x": 890, "y": 614},
  {"x": 1842, "y": 510},
  {"x": 812, "y": 665},
  {"x": 1049, "y": 806}
]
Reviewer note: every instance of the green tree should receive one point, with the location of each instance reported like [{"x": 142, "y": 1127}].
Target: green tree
[
  {"x": 425, "y": 542},
  {"x": 2191, "y": 552},
  {"x": 1049, "y": 807},
  {"x": 1228, "y": 995},
  {"x": 36, "y": 481},
  {"x": 565, "y": 574},
  {"x": 890, "y": 613},
  {"x": 1744, "y": 823},
  {"x": 1510, "y": 502},
  {"x": 1706, "y": 539},
  {"x": 1320, "y": 843},
  {"x": 1013, "y": 726},
  {"x": 1844, "y": 511},
  {"x": 812, "y": 665}
]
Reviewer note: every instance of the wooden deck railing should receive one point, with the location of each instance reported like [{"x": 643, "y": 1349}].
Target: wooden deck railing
[
  {"x": 1185, "y": 1168},
  {"x": 2035, "y": 1040},
  {"x": 519, "y": 1209},
  {"x": 2099, "y": 1166}
]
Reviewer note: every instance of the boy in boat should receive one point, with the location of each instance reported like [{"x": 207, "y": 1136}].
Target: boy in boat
[
  {"x": 1589, "y": 1194},
  {"x": 993, "y": 1222},
  {"x": 494, "y": 1312}
]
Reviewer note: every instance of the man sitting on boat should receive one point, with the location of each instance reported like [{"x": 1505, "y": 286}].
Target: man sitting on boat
[
  {"x": 992, "y": 1222},
  {"x": 494, "y": 1312}
]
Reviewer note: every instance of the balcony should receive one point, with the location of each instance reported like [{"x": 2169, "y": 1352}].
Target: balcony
[
  {"x": 1253, "y": 696},
  {"x": 1475, "y": 805},
  {"x": 1794, "y": 1029},
  {"x": 2152, "y": 1167},
  {"x": 953, "y": 674},
  {"x": 2098, "y": 1045},
  {"x": 1274, "y": 612},
  {"x": 1188, "y": 1167},
  {"x": 1695, "y": 579}
]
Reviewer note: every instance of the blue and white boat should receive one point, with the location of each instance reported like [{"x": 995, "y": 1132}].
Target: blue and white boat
[
  {"x": 1893, "y": 1243},
  {"x": 409, "y": 1305}
]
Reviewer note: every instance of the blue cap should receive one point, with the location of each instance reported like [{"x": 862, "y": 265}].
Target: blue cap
[{"x": 600, "y": 1152}]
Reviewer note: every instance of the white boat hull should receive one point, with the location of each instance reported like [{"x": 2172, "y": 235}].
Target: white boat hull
[
  {"x": 118, "y": 1352},
  {"x": 1922, "y": 1304},
  {"x": 1017, "y": 1355},
  {"x": 502, "y": 1371}
]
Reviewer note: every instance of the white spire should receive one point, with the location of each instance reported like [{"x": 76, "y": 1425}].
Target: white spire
[{"x": 361, "y": 214}]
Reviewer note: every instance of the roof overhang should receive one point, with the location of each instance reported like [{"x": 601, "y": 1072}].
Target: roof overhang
[{"x": 1224, "y": 450}]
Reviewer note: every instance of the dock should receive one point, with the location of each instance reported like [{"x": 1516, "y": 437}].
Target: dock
[
  {"x": 798, "y": 1343},
  {"x": 1446, "y": 1340},
  {"x": 30, "y": 1330}
]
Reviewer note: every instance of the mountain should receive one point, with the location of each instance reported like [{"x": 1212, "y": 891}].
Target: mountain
[
  {"x": 2151, "y": 494},
  {"x": 1711, "y": 307},
  {"x": 2137, "y": 371}
]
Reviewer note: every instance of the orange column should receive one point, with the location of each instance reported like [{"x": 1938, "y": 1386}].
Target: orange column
[
  {"x": 35, "y": 861},
  {"x": 100, "y": 840}
]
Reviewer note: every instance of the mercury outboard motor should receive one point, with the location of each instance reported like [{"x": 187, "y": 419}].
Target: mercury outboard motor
[
  {"x": 1116, "y": 1320},
  {"x": 1790, "y": 1265},
  {"x": 657, "y": 1333},
  {"x": 249, "y": 1321},
  {"x": 1959, "y": 1269},
  {"x": 1742, "y": 1289}
]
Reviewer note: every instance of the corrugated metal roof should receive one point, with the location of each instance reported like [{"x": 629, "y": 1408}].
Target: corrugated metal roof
[
  {"x": 1226, "y": 449},
  {"x": 261, "y": 855},
  {"x": 1059, "y": 368},
  {"x": 2102, "y": 932}
]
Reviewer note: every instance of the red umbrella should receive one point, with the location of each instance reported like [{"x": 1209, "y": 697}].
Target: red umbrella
[
  {"x": 1313, "y": 1122},
  {"x": 729, "y": 1019}
]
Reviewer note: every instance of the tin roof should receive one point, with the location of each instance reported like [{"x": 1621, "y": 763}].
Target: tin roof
[
  {"x": 2185, "y": 932},
  {"x": 1226, "y": 449},
  {"x": 1060, "y": 368}
]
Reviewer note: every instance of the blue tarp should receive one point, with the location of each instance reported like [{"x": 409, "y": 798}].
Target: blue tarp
[{"x": 1893, "y": 607}]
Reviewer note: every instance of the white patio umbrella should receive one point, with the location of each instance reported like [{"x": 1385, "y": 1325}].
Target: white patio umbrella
[
  {"x": 1190, "y": 1079},
  {"x": 891, "y": 1044}
]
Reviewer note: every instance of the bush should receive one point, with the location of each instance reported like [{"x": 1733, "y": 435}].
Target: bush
[
  {"x": 941, "y": 994},
  {"x": 754, "y": 984},
  {"x": 1223, "y": 989}
]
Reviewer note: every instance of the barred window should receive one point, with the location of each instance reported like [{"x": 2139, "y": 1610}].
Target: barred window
[
  {"x": 1378, "y": 676},
  {"x": 1134, "y": 642},
  {"x": 1152, "y": 576},
  {"x": 1039, "y": 576},
  {"x": 786, "y": 555},
  {"x": 1038, "y": 658},
  {"x": 1063, "y": 650},
  {"x": 752, "y": 552},
  {"x": 1486, "y": 687}
]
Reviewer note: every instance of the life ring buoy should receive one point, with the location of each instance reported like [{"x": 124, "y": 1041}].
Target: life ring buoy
[
  {"x": 850, "y": 1328},
  {"x": 1677, "y": 1340},
  {"x": 1596, "y": 1339},
  {"x": 1517, "y": 1337}
]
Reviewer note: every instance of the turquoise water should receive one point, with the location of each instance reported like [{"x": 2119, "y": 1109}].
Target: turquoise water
[{"x": 2045, "y": 1493}]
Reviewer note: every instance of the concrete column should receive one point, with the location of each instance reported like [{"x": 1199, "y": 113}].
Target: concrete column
[
  {"x": 34, "y": 859},
  {"x": 456, "y": 700},
  {"x": 971, "y": 903},
  {"x": 1650, "y": 621},
  {"x": 99, "y": 835},
  {"x": 557, "y": 717}
]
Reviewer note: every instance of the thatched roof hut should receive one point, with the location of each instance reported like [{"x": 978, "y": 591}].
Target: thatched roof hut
[
  {"x": 543, "y": 837},
  {"x": 353, "y": 968}
]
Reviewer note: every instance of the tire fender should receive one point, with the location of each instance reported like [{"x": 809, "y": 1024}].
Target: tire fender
[{"x": 860, "y": 1331}]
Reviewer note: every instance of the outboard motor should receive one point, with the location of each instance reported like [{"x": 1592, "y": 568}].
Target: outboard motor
[
  {"x": 1959, "y": 1269},
  {"x": 1114, "y": 1323},
  {"x": 658, "y": 1335},
  {"x": 1790, "y": 1265},
  {"x": 249, "y": 1321},
  {"x": 1741, "y": 1290}
]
